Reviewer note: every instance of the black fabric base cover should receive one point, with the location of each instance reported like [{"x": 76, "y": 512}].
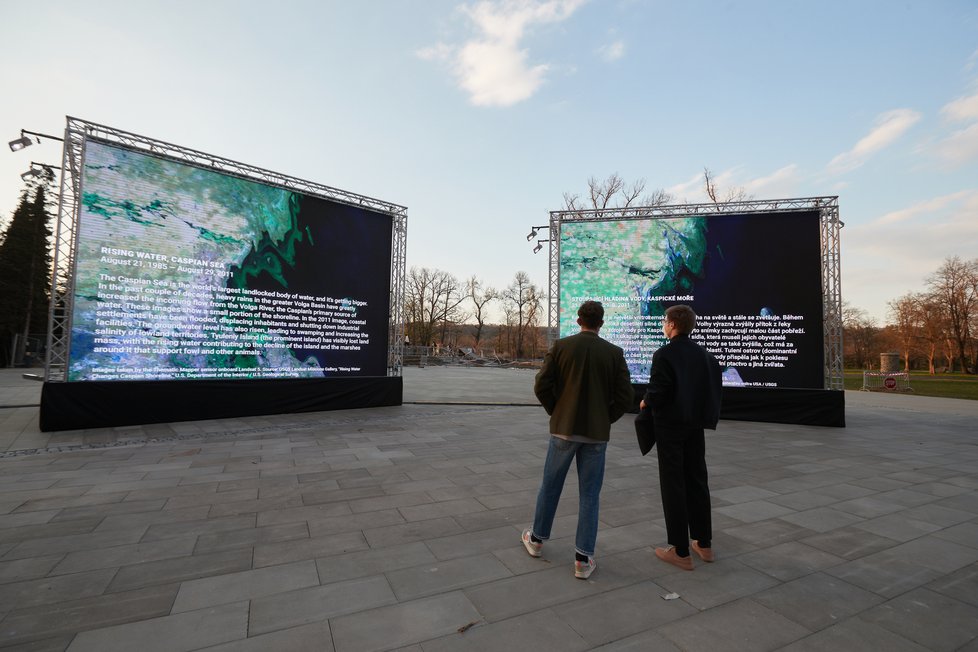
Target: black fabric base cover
[
  {"x": 73, "y": 406},
  {"x": 807, "y": 407}
]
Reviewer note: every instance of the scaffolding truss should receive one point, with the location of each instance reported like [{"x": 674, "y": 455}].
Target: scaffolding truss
[
  {"x": 829, "y": 227},
  {"x": 78, "y": 132}
]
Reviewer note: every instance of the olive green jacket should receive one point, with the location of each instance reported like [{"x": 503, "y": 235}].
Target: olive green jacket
[{"x": 584, "y": 386}]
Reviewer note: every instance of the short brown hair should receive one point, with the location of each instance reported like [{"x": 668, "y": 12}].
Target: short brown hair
[
  {"x": 591, "y": 314},
  {"x": 682, "y": 317}
]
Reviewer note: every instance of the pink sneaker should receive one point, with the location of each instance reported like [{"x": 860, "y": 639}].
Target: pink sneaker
[
  {"x": 706, "y": 554},
  {"x": 669, "y": 556}
]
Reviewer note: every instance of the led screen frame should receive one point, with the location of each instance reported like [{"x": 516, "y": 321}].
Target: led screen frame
[
  {"x": 343, "y": 214},
  {"x": 641, "y": 260}
]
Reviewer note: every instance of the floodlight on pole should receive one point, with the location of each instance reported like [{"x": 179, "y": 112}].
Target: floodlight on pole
[
  {"x": 36, "y": 169},
  {"x": 20, "y": 143},
  {"x": 26, "y": 141},
  {"x": 539, "y": 246},
  {"x": 533, "y": 232}
]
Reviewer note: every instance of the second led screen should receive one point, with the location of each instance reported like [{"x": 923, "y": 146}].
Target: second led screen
[{"x": 754, "y": 280}]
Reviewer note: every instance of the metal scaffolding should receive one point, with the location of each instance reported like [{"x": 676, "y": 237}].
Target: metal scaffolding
[
  {"x": 829, "y": 223},
  {"x": 77, "y": 134}
]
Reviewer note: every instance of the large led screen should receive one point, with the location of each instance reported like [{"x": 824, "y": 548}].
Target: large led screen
[
  {"x": 188, "y": 273},
  {"x": 753, "y": 279}
]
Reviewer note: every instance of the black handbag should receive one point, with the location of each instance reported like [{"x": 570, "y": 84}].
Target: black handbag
[{"x": 645, "y": 430}]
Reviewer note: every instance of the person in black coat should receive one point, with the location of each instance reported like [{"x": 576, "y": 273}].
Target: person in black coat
[{"x": 684, "y": 395}]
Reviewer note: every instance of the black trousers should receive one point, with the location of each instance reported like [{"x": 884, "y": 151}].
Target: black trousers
[{"x": 684, "y": 485}]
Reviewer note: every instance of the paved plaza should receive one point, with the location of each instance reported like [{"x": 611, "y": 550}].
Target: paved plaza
[{"x": 398, "y": 529}]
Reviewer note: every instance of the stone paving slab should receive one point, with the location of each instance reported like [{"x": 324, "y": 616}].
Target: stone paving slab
[
  {"x": 185, "y": 631},
  {"x": 818, "y": 600},
  {"x": 398, "y": 528},
  {"x": 540, "y": 630},
  {"x": 739, "y": 625},
  {"x": 854, "y": 634},
  {"x": 26, "y": 625},
  {"x": 314, "y": 637},
  {"x": 180, "y": 569},
  {"x": 245, "y": 585},
  {"x": 318, "y": 603},
  {"x": 398, "y": 625},
  {"x": 619, "y": 613}
]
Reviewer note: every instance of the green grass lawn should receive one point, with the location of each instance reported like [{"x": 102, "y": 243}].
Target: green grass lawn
[{"x": 923, "y": 384}]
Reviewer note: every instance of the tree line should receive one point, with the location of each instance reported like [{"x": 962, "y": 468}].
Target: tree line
[
  {"x": 439, "y": 310},
  {"x": 935, "y": 329}
]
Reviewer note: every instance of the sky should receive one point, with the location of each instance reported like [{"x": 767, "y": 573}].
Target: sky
[{"x": 479, "y": 116}]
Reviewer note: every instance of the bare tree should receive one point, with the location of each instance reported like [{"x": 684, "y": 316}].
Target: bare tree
[
  {"x": 615, "y": 192},
  {"x": 955, "y": 286},
  {"x": 933, "y": 330},
  {"x": 480, "y": 297},
  {"x": 432, "y": 302},
  {"x": 522, "y": 306},
  {"x": 732, "y": 194},
  {"x": 909, "y": 319},
  {"x": 973, "y": 321},
  {"x": 860, "y": 335}
]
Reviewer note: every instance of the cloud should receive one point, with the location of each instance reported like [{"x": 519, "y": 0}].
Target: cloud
[
  {"x": 960, "y": 147},
  {"x": 919, "y": 236},
  {"x": 927, "y": 208},
  {"x": 888, "y": 128},
  {"x": 894, "y": 254},
  {"x": 496, "y": 74},
  {"x": 910, "y": 247},
  {"x": 612, "y": 51},
  {"x": 725, "y": 180},
  {"x": 972, "y": 62},
  {"x": 493, "y": 67},
  {"x": 681, "y": 191},
  {"x": 438, "y": 52},
  {"x": 963, "y": 109},
  {"x": 779, "y": 183}
]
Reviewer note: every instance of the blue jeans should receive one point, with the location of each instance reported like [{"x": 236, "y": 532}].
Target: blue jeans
[{"x": 590, "y": 476}]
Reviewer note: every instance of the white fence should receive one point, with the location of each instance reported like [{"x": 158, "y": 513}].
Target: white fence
[{"x": 886, "y": 381}]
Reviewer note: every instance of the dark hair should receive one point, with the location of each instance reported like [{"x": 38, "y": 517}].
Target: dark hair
[
  {"x": 591, "y": 314},
  {"x": 682, "y": 317}
]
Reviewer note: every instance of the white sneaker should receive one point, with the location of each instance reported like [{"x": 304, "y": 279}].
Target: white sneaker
[
  {"x": 583, "y": 569},
  {"x": 531, "y": 546}
]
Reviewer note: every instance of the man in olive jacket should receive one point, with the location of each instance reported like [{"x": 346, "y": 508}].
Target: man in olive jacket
[{"x": 584, "y": 386}]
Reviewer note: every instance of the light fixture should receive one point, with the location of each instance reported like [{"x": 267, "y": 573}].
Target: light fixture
[
  {"x": 532, "y": 234},
  {"x": 36, "y": 169},
  {"x": 539, "y": 246},
  {"x": 27, "y": 141},
  {"x": 20, "y": 143}
]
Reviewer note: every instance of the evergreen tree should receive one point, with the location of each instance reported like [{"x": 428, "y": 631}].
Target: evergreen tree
[{"x": 25, "y": 268}]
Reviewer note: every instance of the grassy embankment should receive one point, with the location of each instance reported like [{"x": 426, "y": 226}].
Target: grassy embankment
[{"x": 923, "y": 384}]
